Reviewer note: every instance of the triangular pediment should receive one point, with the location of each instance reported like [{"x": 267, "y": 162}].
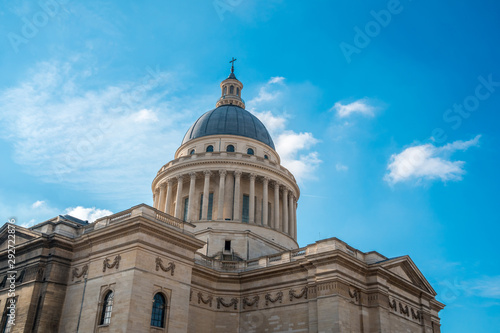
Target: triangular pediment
[
  {"x": 23, "y": 235},
  {"x": 405, "y": 268}
]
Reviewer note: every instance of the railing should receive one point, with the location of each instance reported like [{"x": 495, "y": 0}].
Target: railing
[
  {"x": 140, "y": 210},
  {"x": 169, "y": 220},
  {"x": 246, "y": 265}
]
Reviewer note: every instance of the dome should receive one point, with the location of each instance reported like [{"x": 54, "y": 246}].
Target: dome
[{"x": 229, "y": 119}]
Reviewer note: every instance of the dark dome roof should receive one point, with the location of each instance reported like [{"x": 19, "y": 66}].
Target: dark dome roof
[{"x": 229, "y": 119}]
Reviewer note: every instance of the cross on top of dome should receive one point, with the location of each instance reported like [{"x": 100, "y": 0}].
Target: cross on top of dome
[{"x": 231, "y": 90}]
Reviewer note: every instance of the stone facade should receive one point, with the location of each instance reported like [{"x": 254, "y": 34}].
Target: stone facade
[{"x": 227, "y": 264}]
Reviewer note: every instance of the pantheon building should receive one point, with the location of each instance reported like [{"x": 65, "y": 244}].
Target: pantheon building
[{"x": 217, "y": 252}]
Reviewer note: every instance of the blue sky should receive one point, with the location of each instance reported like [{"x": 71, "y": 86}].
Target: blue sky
[{"x": 386, "y": 111}]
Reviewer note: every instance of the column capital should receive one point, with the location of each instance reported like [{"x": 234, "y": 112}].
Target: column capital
[
  {"x": 163, "y": 184},
  {"x": 192, "y": 175},
  {"x": 253, "y": 176},
  {"x": 179, "y": 178},
  {"x": 170, "y": 180},
  {"x": 157, "y": 190},
  {"x": 276, "y": 184},
  {"x": 284, "y": 188},
  {"x": 222, "y": 173},
  {"x": 266, "y": 179},
  {"x": 238, "y": 173},
  {"x": 207, "y": 173}
]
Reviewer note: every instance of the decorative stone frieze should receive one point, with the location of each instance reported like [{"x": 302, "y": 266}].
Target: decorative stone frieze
[
  {"x": 77, "y": 275},
  {"x": 170, "y": 267},
  {"x": 115, "y": 264}
]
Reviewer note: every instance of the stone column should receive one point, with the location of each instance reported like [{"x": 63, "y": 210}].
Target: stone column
[
  {"x": 168, "y": 201},
  {"x": 295, "y": 205},
  {"x": 251, "y": 203},
  {"x": 222, "y": 186},
  {"x": 178, "y": 203},
  {"x": 264, "y": 201},
  {"x": 206, "y": 195},
  {"x": 161, "y": 201},
  {"x": 156, "y": 196},
  {"x": 228, "y": 196},
  {"x": 191, "y": 208},
  {"x": 236, "y": 211},
  {"x": 276, "y": 224},
  {"x": 285, "y": 210},
  {"x": 290, "y": 215}
]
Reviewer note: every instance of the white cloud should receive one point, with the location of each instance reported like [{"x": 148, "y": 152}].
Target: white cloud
[
  {"x": 64, "y": 132},
  {"x": 341, "y": 167},
  {"x": 361, "y": 106},
  {"x": 428, "y": 162},
  {"x": 87, "y": 214},
  {"x": 37, "y": 204},
  {"x": 269, "y": 91},
  {"x": 144, "y": 115},
  {"x": 274, "y": 124},
  {"x": 293, "y": 148},
  {"x": 276, "y": 79}
]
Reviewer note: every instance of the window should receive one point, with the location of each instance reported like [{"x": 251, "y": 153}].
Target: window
[
  {"x": 210, "y": 149},
  {"x": 186, "y": 206},
  {"x": 244, "y": 213},
  {"x": 231, "y": 90},
  {"x": 266, "y": 157},
  {"x": 225, "y": 90},
  {"x": 230, "y": 149},
  {"x": 191, "y": 152},
  {"x": 7, "y": 323},
  {"x": 238, "y": 91},
  {"x": 158, "y": 312},
  {"x": 250, "y": 151},
  {"x": 227, "y": 245},
  {"x": 107, "y": 308},
  {"x": 210, "y": 206}
]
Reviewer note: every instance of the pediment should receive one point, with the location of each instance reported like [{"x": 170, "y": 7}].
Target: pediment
[
  {"x": 405, "y": 268},
  {"x": 23, "y": 235}
]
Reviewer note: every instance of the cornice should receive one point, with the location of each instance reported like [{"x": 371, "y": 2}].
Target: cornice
[{"x": 169, "y": 172}]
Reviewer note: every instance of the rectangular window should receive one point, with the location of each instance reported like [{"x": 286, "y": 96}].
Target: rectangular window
[
  {"x": 186, "y": 206},
  {"x": 210, "y": 206},
  {"x": 244, "y": 213},
  {"x": 227, "y": 245},
  {"x": 7, "y": 321}
]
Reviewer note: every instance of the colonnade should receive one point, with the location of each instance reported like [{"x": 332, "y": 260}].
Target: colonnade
[{"x": 283, "y": 206}]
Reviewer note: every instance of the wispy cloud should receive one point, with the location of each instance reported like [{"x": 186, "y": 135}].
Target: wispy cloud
[
  {"x": 294, "y": 148},
  {"x": 95, "y": 139},
  {"x": 341, "y": 167},
  {"x": 361, "y": 106},
  {"x": 269, "y": 91},
  {"x": 428, "y": 162}
]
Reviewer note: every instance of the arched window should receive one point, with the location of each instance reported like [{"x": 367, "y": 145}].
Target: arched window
[
  {"x": 238, "y": 91},
  {"x": 225, "y": 90},
  {"x": 191, "y": 152},
  {"x": 107, "y": 308},
  {"x": 266, "y": 157},
  {"x": 250, "y": 151},
  {"x": 231, "y": 90},
  {"x": 210, "y": 149},
  {"x": 158, "y": 312},
  {"x": 230, "y": 148}
]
